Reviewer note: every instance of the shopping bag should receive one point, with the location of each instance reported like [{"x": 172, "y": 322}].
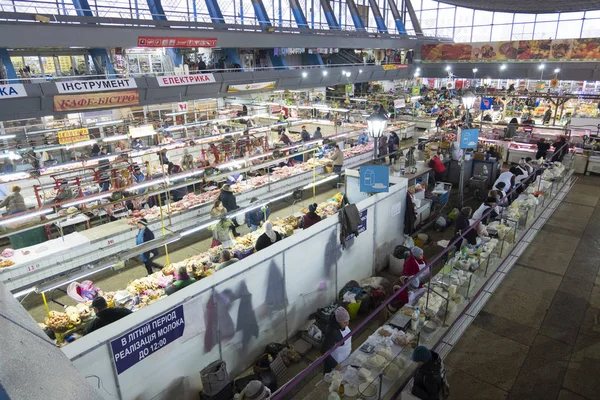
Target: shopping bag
[{"x": 214, "y": 378}]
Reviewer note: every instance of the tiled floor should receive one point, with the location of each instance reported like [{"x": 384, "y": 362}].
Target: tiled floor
[{"x": 538, "y": 337}]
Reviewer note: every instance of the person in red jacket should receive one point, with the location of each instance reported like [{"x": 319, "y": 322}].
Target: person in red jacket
[
  {"x": 438, "y": 167},
  {"x": 310, "y": 218},
  {"x": 415, "y": 264}
]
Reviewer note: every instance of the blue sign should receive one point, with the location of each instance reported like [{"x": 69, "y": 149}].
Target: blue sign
[
  {"x": 374, "y": 178},
  {"x": 363, "y": 225},
  {"x": 486, "y": 103},
  {"x": 148, "y": 338},
  {"x": 469, "y": 138}
]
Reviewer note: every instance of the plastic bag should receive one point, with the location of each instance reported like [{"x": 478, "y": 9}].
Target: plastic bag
[
  {"x": 349, "y": 297},
  {"x": 408, "y": 242}
]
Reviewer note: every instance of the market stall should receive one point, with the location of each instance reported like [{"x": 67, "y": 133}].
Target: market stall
[
  {"x": 282, "y": 293},
  {"x": 439, "y": 310}
]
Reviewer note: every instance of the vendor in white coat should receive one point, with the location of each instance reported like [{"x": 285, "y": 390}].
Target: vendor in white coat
[{"x": 336, "y": 330}]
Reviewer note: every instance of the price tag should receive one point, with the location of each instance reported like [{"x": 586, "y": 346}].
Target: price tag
[
  {"x": 110, "y": 242},
  {"x": 32, "y": 268}
]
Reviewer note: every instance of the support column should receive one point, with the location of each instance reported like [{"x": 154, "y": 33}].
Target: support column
[
  {"x": 7, "y": 63},
  {"x": 298, "y": 14},
  {"x": 158, "y": 14},
  {"x": 413, "y": 18},
  {"x": 397, "y": 17},
  {"x": 277, "y": 61},
  {"x": 329, "y": 15},
  {"x": 312, "y": 59},
  {"x": 261, "y": 13},
  {"x": 381, "y": 28},
  {"x": 359, "y": 24},
  {"x": 216, "y": 17},
  {"x": 102, "y": 62},
  {"x": 100, "y": 57},
  {"x": 215, "y": 13}
]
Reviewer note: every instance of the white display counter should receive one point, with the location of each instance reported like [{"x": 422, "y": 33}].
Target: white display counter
[
  {"x": 420, "y": 122},
  {"x": 111, "y": 238},
  {"x": 277, "y": 288}
]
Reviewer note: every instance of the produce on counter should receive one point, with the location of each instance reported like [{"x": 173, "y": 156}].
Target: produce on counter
[{"x": 191, "y": 200}]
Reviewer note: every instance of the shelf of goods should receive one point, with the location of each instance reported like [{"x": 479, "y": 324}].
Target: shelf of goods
[
  {"x": 524, "y": 144},
  {"x": 77, "y": 249},
  {"x": 277, "y": 292},
  {"x": 436, "y": 310}
]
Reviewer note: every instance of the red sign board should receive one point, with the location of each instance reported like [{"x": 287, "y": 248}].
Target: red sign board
[{"x": 174, "y": 42}]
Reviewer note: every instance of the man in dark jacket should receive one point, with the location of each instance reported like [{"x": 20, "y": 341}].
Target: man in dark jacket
[
  {"x": 227, "y": 198},
  {"x": 429, "y": 381},
  {"x": 305, "y": 135},
  {"x": 105, "y": 315},
  {"x": 145, "y": 235}
]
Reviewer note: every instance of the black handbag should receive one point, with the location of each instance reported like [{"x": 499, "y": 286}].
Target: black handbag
[{"x": 214, "y": 378}]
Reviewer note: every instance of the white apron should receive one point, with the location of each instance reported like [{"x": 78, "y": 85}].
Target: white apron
[{"x": 342, "y": 353}]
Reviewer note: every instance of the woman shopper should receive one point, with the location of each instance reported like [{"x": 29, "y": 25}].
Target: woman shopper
[
  {"x": 393, "y": 146},
  {"x": 337, "y": 329},
  {"x": 222, "y": 232},
  {"x": 14, "y": 202},
  {"x": 267, "y": 238},
  {"x": 310, "y": 218},
  {"x": 429, "y": 380},
  {"x": 145, "y": 235},
  {"x": 438, "y": 166}
]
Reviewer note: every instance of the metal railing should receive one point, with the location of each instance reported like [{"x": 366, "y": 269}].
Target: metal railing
[
  {"x": 127, "y": 17},
  {"x": 40, "y": 79}
]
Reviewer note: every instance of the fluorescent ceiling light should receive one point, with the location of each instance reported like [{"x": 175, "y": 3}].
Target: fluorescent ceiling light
[
  {"x": 113, "y": 122},
  {"x": 114, "y": 138},
  {"x": 142, "y": 134},
  {"x": 146, "y": 184},
  {"x": 26, "y": 216},
  {"x": 81, "y": 144},
  {"x": 197, "y": 229},
  {"x": 172, "y": 114},
  {"x": 6, "y": 137},
  {"x": 23, "y": 292},
  {"x": 42, "y": 131},
  {"x": 335, "y": 176},
  {"x": 87, "y": 200}
]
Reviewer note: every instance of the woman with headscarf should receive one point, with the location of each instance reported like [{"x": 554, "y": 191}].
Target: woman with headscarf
[
  {"x": 414, "y": 264},
  {"x": 267, "y": 238},
  {"x": 183, "y": 279},
  {"x": 227, "y": 198},
  {"x": 337, "y": 329},
  {"x": 254, "y": 390},
  {"x": 310, "y": 218},
  {"x": 221, "y": 232}
]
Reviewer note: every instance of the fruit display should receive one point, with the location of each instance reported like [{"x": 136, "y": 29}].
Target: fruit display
[
  {"x": 58, "y": 321},
  {"x": 140, "y": 285},
  {"x": 588, "y": 49}
]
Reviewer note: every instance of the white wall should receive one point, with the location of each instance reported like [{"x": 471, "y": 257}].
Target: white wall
[{"x": 311, "y": 266}]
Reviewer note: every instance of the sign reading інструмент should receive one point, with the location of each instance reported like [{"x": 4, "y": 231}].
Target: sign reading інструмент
[
  {"x": 95, "y": 85},
  {"x": 146, "y": 339}
]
